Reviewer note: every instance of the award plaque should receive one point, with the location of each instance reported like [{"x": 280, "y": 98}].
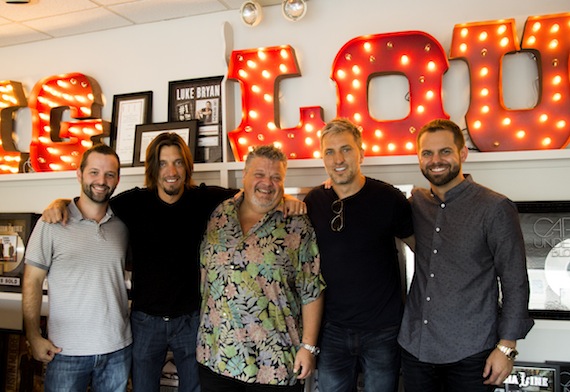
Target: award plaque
[{"x": 15, "y": 229}]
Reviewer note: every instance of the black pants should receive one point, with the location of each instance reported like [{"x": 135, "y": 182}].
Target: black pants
[
  {"x": 213, "y": 382},
  {"x": 463, "y": 376}
]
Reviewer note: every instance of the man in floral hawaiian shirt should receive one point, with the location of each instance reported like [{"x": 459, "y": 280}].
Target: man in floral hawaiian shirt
[{"x": 261, "y": 287}]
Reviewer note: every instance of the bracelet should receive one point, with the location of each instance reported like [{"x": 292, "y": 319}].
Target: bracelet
[{"x": 312, "y": 349}]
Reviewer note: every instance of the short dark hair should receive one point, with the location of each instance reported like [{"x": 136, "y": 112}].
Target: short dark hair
[
  {"x": 101, "y": 149},
  {"x": 152, "y": 162},
  {"x": 340, "y": 125},
  {"x": 441, "y": 124},
  {"x": 269, "y": 151}
]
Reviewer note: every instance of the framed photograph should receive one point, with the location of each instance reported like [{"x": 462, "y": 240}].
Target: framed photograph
[
  {"x": 535, "y": 377},
  {"x": 129, "y": 110},
  {"x": 145, "y": 133},
  {"x": 201, "y": 100},
  {"x": 546, "y": 230},
  {"x": 15, "y": 229}
]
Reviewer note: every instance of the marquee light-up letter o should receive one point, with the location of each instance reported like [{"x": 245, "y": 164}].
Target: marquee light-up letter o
[{"x": 414, "y": 54}]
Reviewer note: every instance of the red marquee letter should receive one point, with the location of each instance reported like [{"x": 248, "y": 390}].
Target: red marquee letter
[
  {"x": 57, "y": 145},
  {"x": 414, "y": 54},
  {"x": 491, "y": 125},
  {"x": 259, "y": 72}
]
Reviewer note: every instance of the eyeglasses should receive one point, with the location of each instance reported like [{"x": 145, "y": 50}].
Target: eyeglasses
[{"x": 337, "y": 222}]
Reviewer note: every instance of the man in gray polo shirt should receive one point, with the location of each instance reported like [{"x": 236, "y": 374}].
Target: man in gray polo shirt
[{"x": 89, "y": 332}]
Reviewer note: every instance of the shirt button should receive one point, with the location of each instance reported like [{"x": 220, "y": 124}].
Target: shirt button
[
  {"x": 428, "y": 299},
  {"x": 442, "y": 205},
  {"x": 434, "y": 251},
  {"x": 431, "y": 275},
  {"x": 425, "y": 321},
  {"x": 437, "y": 229}
]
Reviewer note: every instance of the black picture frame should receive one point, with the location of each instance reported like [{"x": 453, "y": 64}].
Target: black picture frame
[
  {"x": 129, "y": 110},
  {"x": 546, "y": 231},
  {"x": 199, "y": 99},
  {"x": 144, "y": 134}
]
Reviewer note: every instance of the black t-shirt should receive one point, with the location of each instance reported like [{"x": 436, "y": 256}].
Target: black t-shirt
[
  {"x": 360, "y": 263},
  {"x": 165, "y": 241}
]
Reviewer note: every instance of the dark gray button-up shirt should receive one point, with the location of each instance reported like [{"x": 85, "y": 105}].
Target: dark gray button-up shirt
[{"x": 464, "y": 246}]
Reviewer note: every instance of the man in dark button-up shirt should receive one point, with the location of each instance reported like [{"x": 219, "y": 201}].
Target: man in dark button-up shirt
[{"x": 455, "y": 333}]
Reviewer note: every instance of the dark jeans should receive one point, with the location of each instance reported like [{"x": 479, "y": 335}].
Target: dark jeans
[
  {"x": 213, "y": 382},
  {"x": 463, "y": 376},
  {"x": 153, "y": 336},
  {"x": 344, "y": 352},
  {"x": 104, "y": 372}
]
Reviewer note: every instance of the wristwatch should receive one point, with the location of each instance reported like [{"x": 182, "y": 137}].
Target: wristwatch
[
  {"x": 312, "y": 349},
  {"x": 510, "y": 352}
]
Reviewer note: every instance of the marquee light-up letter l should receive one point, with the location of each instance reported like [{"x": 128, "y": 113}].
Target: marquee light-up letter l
[{"x": 259, "y": 72}]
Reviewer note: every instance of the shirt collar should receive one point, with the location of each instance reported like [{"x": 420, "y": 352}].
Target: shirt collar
[
  {"x": 75, "y": 214},
  {"x": 456, "y": 190}
]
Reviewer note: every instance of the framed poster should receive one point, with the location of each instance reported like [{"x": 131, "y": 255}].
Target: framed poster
[
  {"x": 535, "y": 377},
  {"x": 546, "y": 230},
  {"x": 145, "y": 133},
  {"x": 201, "y": 100},
  {"x": 15, "y": 229},
  {"x": 129, "y": 110}
]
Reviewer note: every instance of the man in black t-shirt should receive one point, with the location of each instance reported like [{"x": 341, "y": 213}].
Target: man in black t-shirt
[{"x": 356, "y": 222}]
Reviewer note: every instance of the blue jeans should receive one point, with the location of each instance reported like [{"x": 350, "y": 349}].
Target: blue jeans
[
  {"x": 105, "y": 372},
  {"x": 345, "y": 352},
  {"x": 153, "y": 336},
  {"x": 463, "y": 376}
]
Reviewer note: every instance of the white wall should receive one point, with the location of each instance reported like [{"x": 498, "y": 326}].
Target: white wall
[{"x": 147, "y": 57}]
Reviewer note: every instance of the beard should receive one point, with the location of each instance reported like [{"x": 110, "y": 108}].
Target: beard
[
  {"x": 440, "y": 180},
  {"x": 343, "y": 178},
  {"x": 172, "y": 190},
  {"x": 267, "y": 200},
  {"x": 97, "y": 197}
]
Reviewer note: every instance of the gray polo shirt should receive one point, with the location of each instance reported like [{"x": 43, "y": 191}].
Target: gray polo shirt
[{"x": 85, "y": 260}]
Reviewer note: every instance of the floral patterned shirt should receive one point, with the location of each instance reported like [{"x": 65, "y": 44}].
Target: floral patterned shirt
[{"x": 253, "y": 288}]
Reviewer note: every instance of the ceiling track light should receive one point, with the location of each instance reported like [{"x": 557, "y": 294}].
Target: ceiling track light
[
  {"x": 294, "y": 10},
  {"x": 251, "y": 13}
]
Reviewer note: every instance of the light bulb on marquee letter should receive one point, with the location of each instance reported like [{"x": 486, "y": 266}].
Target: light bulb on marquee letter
[
  {"x": 259, "y": 72},
  {"x": 49, "y": 99},
  {"x": 12, "y": 98},
  {"x": 416, "y": 55},
  {"x": 493, "y": 127}
]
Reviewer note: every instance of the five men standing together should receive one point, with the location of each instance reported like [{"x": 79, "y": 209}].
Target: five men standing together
[{"x": 263, "y": 292}]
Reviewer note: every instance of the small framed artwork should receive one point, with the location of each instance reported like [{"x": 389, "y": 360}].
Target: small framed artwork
[
  {"x": 201, "y": 100},
  {"x": 129, "y": 110},
  {"x": 145, "y": 133},
  {"x": 546, "y": 231}
]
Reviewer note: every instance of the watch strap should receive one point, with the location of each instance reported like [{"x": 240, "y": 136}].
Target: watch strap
[
  {"x": 510, "y": 352},
  {"x": 312, "y": 349}
]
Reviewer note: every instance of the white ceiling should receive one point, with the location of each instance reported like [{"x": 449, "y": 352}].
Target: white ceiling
[{"x": 44, "y": 19}]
